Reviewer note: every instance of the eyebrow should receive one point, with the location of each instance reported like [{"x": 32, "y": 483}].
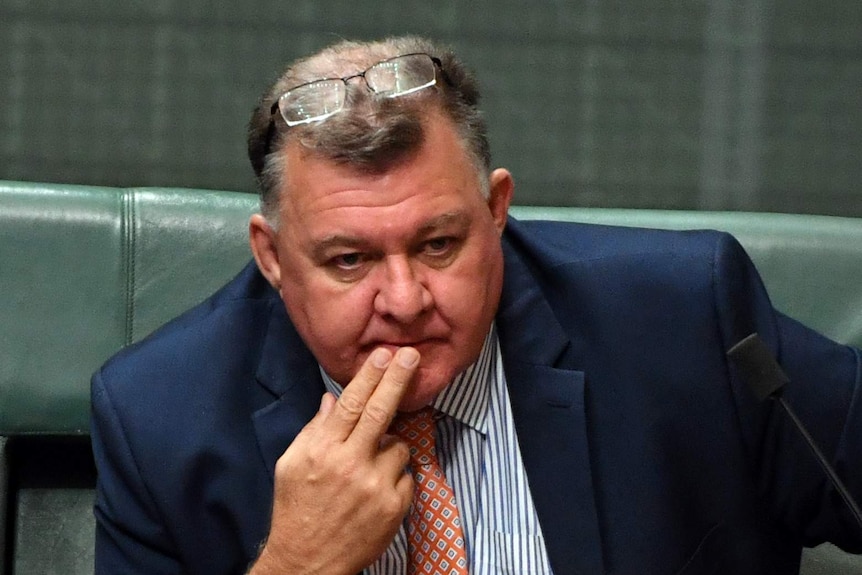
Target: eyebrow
[
  {"x": 321, "y": 247},
  {"x": 459, "y": 219}
]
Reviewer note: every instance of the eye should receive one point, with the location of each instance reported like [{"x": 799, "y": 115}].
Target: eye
[
  {"x": 349, "y": 261},
  {"x": 438, "y": 246}
]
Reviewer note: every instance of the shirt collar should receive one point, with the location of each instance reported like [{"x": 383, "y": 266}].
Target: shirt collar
[{"x": 466, "y": 398}]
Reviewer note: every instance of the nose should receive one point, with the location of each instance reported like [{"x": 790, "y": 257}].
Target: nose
[{"x": 401, "y": 296}]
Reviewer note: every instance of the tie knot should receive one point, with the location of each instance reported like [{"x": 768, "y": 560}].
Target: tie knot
[{"x": 417, "y": 430}]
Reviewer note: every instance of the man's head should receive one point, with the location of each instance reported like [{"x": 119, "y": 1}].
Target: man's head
[
  {"x": 371, "y": 132},
  {"x": 381, "y": 223}
]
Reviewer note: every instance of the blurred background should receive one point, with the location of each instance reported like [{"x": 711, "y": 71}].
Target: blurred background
[{"x": 689, "y": 104}]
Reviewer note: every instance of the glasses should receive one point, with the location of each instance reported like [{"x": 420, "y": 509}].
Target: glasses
[{"x": 389, "y": 78}]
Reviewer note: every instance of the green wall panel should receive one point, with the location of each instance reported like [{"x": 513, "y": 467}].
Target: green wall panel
[{"x": 708, "y": 104}]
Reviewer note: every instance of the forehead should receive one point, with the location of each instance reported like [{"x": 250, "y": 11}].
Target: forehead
[{"x": 439, "y": 173}]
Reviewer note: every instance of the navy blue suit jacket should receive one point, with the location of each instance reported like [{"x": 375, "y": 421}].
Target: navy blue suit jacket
[{"x": 644, "y": 452}]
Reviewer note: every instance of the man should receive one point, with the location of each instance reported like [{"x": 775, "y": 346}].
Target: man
[{"x": 587, "y": 420}]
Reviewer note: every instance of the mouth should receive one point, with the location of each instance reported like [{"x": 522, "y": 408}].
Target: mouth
[{"x": 393, "y": 346}]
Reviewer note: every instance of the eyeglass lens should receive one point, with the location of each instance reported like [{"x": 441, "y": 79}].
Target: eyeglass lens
[
  {"x": 397, "y": 76},
  {"x": 313, "y": 101},
  {"x": 402, "y": 75}
]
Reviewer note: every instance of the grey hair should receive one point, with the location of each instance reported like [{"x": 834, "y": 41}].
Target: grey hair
[{"x": 371, "y": 134}]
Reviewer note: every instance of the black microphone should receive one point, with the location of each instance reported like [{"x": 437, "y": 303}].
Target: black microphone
[{"x": 766, "y": 378}]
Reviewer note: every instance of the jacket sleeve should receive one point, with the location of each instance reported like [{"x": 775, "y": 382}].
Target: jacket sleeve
[
  {"x": 130, "y": 534},
  {"x": 825, "y": 391}
]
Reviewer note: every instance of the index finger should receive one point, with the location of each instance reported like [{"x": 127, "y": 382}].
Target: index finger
[
  {"x": 347, "y": 410},
  {"x": 381, "y": 407}
]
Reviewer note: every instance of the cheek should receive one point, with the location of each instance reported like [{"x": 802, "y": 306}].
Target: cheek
[
  {"x": 468, "y": 295},
  {"x": 329, "y": 320}
]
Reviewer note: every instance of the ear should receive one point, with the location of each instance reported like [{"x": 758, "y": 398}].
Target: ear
[
  {"x": 264, "y": 246},
  {"x": 502, "y": 186}
]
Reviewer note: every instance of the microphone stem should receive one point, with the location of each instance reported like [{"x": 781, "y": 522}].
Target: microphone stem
[{"x": 821, "y": 459}]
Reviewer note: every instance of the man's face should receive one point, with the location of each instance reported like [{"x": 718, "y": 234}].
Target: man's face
[{"x": 411, "y": 257}]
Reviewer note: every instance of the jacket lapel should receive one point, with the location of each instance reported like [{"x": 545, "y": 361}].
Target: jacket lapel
[
  {"x": 548, "y": 406},
  {"x": 288, "y": 370}
]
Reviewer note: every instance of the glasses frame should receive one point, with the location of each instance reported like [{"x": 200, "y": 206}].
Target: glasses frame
[{"x": 276, "y": 106}]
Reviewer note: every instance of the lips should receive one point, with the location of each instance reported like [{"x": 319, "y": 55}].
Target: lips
[{"x": 393, "y": 345}]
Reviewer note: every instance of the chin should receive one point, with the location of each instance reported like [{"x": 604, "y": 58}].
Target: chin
[
  {"x": 424, "y": 390},
  {"x": 409, "y": 404}
]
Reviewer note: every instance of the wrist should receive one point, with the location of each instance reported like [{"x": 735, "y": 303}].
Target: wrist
[
  {"x": 269, "y": 564},
  {"x": 271, "y": 561}
]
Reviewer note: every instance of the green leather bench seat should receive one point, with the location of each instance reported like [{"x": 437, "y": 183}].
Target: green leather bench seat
[
  {"x": 85, "y": 271},
  {"x": 90, "y": 270}
]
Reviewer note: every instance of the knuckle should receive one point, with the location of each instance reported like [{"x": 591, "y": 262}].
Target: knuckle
[
  {"x": 392, "y": 507},
  {"x": 370, "y": 484},
  {"x": 282, "y": 469},
  {"x": 304, "y": 459},
  {"x": 405, "y": 491},
  {"x": 402, "y": 450},
  {"x": 378, "y": 414},
  {"x": 287, "y": 461},
  {"x": 351, "y": 404}
]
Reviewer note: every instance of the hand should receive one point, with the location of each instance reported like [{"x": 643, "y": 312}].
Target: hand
[{"x": 341, "y": 489}]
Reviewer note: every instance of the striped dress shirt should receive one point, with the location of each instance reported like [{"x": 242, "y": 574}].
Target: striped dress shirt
[{"x": 478, "y": 450}]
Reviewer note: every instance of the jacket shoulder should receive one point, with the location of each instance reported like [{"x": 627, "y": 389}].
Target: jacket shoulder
[
  {"x": 237, "y": 312},
  {"x": 557, "y": 243}
]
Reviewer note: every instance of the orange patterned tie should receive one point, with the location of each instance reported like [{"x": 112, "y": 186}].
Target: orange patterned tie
[{"x": 435, "y": 540}]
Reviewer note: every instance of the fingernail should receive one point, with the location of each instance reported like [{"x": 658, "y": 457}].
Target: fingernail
[
  {"x": 381, "y": 357},
  {"x": 407, "y": 357}
]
